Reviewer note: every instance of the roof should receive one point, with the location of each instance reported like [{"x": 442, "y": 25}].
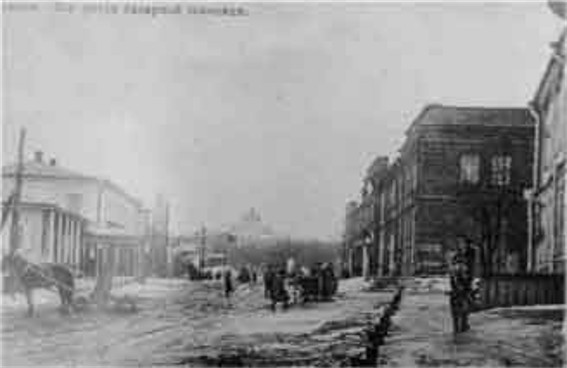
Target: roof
[
  {"x": 459, "y": 115},
  {"x": 37, "y": 169},
  {"x": 33, "y": 168}
]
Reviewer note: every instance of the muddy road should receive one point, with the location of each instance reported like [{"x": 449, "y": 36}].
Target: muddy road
[{"x": 191, "y": 323}]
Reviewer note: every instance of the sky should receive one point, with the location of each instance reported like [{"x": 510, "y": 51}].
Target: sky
[{"x": 281, "y": 109}]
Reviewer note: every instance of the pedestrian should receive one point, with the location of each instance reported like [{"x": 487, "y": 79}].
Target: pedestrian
[
  {"x": 318, "y": 275},
  {"x": 278, "y": 290},
  {"x": 228, "y": 287},
  {"x": 334, "y": 282},
  {"x": 268, "y": 280},
  {"x": 461, "y": 276}
]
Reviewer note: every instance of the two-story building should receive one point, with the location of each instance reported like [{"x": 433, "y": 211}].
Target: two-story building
[
  {"x": 68, "y": 217},
  {"x": 461, "y": 171}
]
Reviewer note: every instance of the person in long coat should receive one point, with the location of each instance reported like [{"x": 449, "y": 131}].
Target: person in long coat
[
  {"x": 268, "y": 281},
  {"x": 228, "y": 286},
  {"x": 278, "y": 291},
  {"x": 461, "y": 276}
]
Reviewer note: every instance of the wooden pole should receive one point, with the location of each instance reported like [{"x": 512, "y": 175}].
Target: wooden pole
[
  {"x": 166, "y": 235},
  {"x": 203, "y": 246},
  {"x": 14, "y": 229}
]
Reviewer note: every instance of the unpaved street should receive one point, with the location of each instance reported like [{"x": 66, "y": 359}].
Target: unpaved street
[{"x": 191, "y": 323}]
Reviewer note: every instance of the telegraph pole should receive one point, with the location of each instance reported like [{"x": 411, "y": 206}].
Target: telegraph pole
[
  {"x": 166, "y": 236},
  {"x": 203, "y": 246},
  {"x": 14, "y": 229}
]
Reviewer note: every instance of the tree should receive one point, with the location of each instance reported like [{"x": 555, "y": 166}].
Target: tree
[{"x": 490, "y": 207}]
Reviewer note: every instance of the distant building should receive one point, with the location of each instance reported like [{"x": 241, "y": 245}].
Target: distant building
[
  {"x": 361, "y": 224},
  {"x": 250, "y": 229},
  {"x": 71, "y": 218},
  {"x": 460, "y": 171},
  {"x": 549, "y": 106}
]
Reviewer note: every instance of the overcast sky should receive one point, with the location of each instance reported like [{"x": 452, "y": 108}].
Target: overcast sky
[{"x": 282, "y": 109}]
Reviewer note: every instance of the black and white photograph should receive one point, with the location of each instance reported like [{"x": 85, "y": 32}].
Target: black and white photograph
[{"x": 283, "y": 184}]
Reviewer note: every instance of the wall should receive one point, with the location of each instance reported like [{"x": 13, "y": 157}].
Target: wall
[
  {"x": 56, "y": 191},
  {"x": 120, "y": 212},
  {"x": 551, "y": 242},
  {"x": 82, "y": 197},
  {"x": 448, "y": 207}
]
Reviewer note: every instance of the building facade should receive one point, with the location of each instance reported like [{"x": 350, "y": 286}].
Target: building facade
[
  {"x": 549, "y": 107},
  {"x": 68, "y": 217},
  {"x": 361, "y": 219},
  {"x": 49, "y": 233},
  {"x": 460, "y": 171}
]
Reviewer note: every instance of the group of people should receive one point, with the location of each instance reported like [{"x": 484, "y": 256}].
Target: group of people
[{"x": 283, "y": 284}]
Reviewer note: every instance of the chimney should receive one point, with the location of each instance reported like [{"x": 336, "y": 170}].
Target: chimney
[
  {"x": 52, "y": 162},
  {"x": 38, "y": 156}
]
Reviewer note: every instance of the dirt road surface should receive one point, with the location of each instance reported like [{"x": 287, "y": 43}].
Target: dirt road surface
[{"x": 191, "y": 323}]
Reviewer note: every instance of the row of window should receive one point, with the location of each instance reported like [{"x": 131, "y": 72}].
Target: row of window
[{"x": 500, "y": 169}]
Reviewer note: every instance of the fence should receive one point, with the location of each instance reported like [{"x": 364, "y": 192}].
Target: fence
[{"x": 508, "y": 290}]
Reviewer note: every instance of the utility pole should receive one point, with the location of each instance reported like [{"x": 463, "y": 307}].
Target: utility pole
[
  {"x": 166, "y": 235},
  {"x": 203, "y": 247},
  {"x": 14, "y": 229}
]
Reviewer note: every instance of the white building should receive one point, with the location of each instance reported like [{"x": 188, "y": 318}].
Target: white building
[
  {"x": 70, "y": 218},
  {"x": 549, "y": 234}
]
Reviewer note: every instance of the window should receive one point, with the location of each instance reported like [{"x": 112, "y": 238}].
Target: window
[
  {"x": 469, "y": 169},
  {"x": 500, "y": 167}
]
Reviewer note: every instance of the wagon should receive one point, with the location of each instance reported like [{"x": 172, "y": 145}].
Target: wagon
[{"x": 312, "y": 288}]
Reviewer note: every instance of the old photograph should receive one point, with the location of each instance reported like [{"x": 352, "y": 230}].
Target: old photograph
[{"x": 283, "y": 184}]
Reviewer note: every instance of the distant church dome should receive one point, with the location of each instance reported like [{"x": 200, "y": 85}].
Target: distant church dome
[{"x": 250, "y": 225}]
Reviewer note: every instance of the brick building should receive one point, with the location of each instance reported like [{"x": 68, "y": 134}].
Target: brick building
[{"x": 460, "y": 170}]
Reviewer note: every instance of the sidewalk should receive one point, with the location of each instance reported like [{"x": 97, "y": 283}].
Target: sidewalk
[{"x": 422, "y": 336}]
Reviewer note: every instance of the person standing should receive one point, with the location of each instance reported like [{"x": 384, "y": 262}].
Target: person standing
[
  {"x": 278, "y": 290},
  {"x": 461, "y": 276},
  {"x": 268, "y": 280},
  {"x": 228, "y": 286}
]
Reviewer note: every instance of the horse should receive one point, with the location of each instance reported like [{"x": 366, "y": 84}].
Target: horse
[{"x": 41, "y": 276}]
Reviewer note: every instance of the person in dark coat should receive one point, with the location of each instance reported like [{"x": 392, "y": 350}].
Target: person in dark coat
[
  {"x": 461, "y": 277},
  {"x": 318, "y": 275},
  {"x": 228, "y": 286},
  {"x": 278, "y": 290},
  {"x": 268, "y": 280},
  {"x": 334, "y": 281}
]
